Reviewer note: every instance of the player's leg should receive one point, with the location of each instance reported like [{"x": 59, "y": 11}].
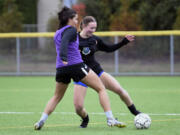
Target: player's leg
[
  {"x": 112, "y": 84},
  {"x": 79, "y": 104},
  {"x": 58, "y": 95},
  {"x": 51, "y": 105},
  {"x": 94, "y": 82},
  {"x": 79, "y": 100}
]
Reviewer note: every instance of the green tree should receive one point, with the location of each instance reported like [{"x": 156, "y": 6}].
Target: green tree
[
  {"x": 176, "y": 25},
  {"x": 133, "y": 14},
  {"x": 11, "y": 18},
  {"x": 125, "y": 18},
  {"x": 28, "y": 8},
  {"x": 1, "y": 6},
  {"x": 102, "y": 11},
  {"x": 157, "y": 14}
]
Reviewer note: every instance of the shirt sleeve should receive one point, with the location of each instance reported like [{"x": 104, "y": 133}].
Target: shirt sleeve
[
  {"x": 110, "y": 47},
  {"x": 68, "y": 36}
]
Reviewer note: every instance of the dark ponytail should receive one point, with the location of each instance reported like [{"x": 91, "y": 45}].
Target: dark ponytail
[
  {"x": 64, "y": 15},
  {"x": 86, "y": 20}
]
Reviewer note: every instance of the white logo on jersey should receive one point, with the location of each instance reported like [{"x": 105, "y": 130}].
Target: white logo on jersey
[{"x": 85, "y": 66}]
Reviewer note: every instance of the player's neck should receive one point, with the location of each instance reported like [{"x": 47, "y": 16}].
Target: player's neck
[{"x": 83, "y": 34}]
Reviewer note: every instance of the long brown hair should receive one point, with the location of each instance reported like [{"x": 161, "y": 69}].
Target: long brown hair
[{"x": 86, "y": 20}]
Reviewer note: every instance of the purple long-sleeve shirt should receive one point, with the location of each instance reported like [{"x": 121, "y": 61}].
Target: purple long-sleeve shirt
[{"x": 66, "y": 48}]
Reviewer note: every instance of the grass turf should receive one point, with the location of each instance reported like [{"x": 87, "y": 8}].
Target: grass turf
[{"x": 157, "y": 96}]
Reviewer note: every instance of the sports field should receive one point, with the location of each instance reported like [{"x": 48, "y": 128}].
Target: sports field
[{"x": 22, "y": 99}]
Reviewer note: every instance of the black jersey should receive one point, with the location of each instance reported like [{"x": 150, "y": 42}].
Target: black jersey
[{"x": 88, "y": 46}]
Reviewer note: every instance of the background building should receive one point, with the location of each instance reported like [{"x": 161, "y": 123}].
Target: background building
[{"x": 46, "y": 9}]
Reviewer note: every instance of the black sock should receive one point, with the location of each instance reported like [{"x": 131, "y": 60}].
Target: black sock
[
  {"x": 85, "y": 122},
  {"x": 86, "y": 118},
  {"x": 133, "y": 110}
]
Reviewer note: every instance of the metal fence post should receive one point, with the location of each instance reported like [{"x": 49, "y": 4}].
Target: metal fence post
[
  {"x": 116, "y": 57},
  {"x": 17, "y": 56},
  {"x": 171, "y": 54}
]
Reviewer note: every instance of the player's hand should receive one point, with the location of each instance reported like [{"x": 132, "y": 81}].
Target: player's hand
[
  {"x": 65, "y": 62},
  {"x": 130, "y": 37}
]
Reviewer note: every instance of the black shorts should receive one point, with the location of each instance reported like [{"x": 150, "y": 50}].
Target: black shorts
[
  {"x": 97, "y": 69},
  {"x": 76, "y": 72}
]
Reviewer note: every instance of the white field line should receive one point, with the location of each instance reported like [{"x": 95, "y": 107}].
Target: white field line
[{"x": 91, "y": 113}]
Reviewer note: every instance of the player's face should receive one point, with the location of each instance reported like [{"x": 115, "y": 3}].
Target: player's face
[
  {"x": 74, "y": 21},
  {"x": 90, "y": 28}
]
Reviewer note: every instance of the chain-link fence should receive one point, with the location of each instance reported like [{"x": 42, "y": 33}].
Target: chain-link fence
[{"x": 28, "y": 54}]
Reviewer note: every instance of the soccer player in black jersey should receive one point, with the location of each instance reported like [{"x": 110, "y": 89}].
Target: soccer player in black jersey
[{"x": 89, "y": 44}]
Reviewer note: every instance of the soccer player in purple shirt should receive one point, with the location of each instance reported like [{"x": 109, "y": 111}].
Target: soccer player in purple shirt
[
  {"x": 69, "y": 65},
  {"x": 89, "y": 45}
]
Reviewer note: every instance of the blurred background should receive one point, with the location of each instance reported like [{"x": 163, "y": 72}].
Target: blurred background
[{"x": 147, "y": 55}]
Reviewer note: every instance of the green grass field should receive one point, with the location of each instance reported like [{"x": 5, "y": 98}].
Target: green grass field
[{"x": 22, "y": 99}]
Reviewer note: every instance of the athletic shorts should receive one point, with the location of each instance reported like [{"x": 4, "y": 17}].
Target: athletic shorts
[
  {"x": 75, "y": 72},
  {"x": 84, "y": 85}
]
